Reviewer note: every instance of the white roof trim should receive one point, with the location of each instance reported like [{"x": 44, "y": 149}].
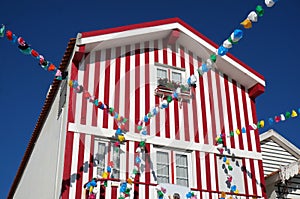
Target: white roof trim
[
  {"x": 281, "y": 141},
  {"x": 153, "y": 29}
]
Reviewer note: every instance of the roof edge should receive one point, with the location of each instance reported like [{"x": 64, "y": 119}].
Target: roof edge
[
  {"x": 163, "y": 22},
  {"x": 290, "y": 147},
  {"x": 41, "y": 120}
]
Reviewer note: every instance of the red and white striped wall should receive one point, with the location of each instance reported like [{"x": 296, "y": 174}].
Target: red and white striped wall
[{"x": 124, "y": 78}]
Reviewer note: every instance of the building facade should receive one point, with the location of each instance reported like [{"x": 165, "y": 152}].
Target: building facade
[{"x": 74, "y": 140}]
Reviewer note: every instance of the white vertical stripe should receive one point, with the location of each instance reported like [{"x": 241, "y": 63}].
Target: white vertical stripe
[
  {"x": 212, "y": 171},
  {"x": 249, "y": 180},
  {"x": 152, "y": 86},
  {"x": 131, "y": 162},
  {"x": 198, "y": 107},
  {"x": 194, "y": 171},
  {"x": 86, "y": 161},
  {"x": 112, "y": 90},
  {"x": 216, "y": 114},
  {"x": 162, "y": 112},
  {"x": 205, "y": 195},
  {"x": 74, "y": 163},
  {"x": 153, "y": 163},
  {"x": 207, "y": 109},
  {"x": 123, "y": 161},
  {"x": 172, "y": 104},
  {"x": 250, "y": 119},
  {"x": 121, "y": 82},
  {"x": 190, "y": 104},
  {"x": 225, "y": 112},
  {"x": 91, "y": 77},
  {"x": 101, "y": 86},
  {"x": 108, "y": 190},
  {"x": 169, "y": 55},
  {"x": 132, "y": 90},
  {"x": 142, "y": 191},
  {"x": 257, "y": 175},
  {"x": 242, "y": 117},
  {"x": 233, "y": 113},
  {"x": 203, "y": 170},
  {"x": 79, "y": 95}
]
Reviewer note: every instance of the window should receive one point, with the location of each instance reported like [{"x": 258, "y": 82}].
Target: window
[
  {"x": 176, "y": 77},
  {"x": 173, "y": 162},
  {"x": 166, "y": 74},
  {"x": 161, "y": 74},
  {"x": 103, "y": 150},
  {"x": 162, "y": 160},
  {"x": 182, "y": 170}
]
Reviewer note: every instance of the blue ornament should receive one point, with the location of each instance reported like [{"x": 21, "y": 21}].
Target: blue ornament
[
  {"x": 222, "y": 51},
  {"x": 238, "y": 34},
  {"x": 204, "y": 67},
  {"x": 175, "y": 95},
  {"x": 189, "y": 195},
  {"x": 118, "y": 131},
  {"x": 233, "y": 188},
  {"x": 138, "y": 160},
  {"x": 146, "y": 119},
  {"x": 298, "y": 110},
  {"x": 96, "y": 102},
  {"x": 14, "y": 38},
  {"x": 271, "y": 121},
  {"x": 108, "y": 169},
  {"x": 75, "y": 84},
  {"x": 243, "y": 130},
  {"x": 144, "y": 132},
  {"x": 224, "y": 159},
  {"x": 154, "y": 111}
]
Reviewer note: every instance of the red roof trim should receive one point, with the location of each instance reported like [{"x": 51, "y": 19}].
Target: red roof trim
[{"x": 163, "y": 22}]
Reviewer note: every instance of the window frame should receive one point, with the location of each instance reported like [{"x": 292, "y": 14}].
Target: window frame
[
  {"x": 169, "y": 69},
  {"x": 172, "y": 165}
]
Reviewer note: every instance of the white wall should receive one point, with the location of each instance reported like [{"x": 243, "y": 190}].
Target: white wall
[{"x": 40, "y": 179}]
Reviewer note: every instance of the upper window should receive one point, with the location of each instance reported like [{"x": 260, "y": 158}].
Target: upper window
[
  {"x": 163, "y": 164},
  {"x": 182, "y": 170},
  {"x": 166, "y": 74}
]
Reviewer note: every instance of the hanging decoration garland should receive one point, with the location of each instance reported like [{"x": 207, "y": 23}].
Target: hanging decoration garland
[{"x": 126, "y": 186}]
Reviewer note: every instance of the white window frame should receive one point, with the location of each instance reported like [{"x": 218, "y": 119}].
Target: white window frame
[
  {"x": 108, "y": 143},
  {"x": 169, "y": 70},
  {"x": 172, "y": 168}
]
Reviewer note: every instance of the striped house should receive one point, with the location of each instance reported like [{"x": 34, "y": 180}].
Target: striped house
[{"x": 74, "y": 141}]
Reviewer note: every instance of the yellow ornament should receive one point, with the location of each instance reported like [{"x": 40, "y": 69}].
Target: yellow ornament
[
  {"x": 105, "y": 175},
  {"x": 227, "y": 162},
  {"x": 247, "y": 23},
  {"x": 217, "y": 138},
  {"x": 262, "y": 124},
  {"x": 237, "y": 131},
  {"x": 236, "y": 191},
  {"x": 91, "y": 189},
  {"x": 223, "y": 194},
  {"x": 70, "y": 83},
  {"x": 294, "y": 113},
  {"x": 129, "y": 180},
  {"x": 121, "y": 138}
]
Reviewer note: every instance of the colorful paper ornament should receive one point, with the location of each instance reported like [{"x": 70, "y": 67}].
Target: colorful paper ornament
[
  {"x": 137, "y": 160},
  {"x": 294, "y": 113},
  {"x": 231, "y": 134},
  {"x": 227, "y": 44},
  {"x": 236, "y": 35},
  {"x": 222, "y": 50},
  {"x": 259, "y": 10},
  {"x": 213, "y": 57},
  {"x": 227, "y": 162},
  {"x": 277, "y": 119},
  {"x": 269, "y": 3},
  {"x": 237, "y": 131},
  {"x": 2, "y": 30},
  {"x": 262, "y": 123},
  {"x": 246, "y": 23},
  {"x": 252, "y": 16},
  {"x": 271, "y": 121},
  {"x": 169, "y": 99},
  {"x": 121, "y": 138},
  {"x": 230, "y": 168},
  {"x": 243, "y": 130},
  {"x": 282, "y": 118},
  {"x": 287, "y": 115}
]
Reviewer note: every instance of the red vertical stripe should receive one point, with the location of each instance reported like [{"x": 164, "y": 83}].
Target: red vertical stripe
[
  {"x": 91, "y": 157},
  {"x": 198, "y": 171},
  {"x": 86, "y": 88},
  {"x": 157, "y": 99},
  {"x": 96, "y": 86},
  {"x": 254, "y": 177},
  {"x": 155, "y": 50},
  {"x": 229, "y": 113},
  {"x": 106, "y": 85},
  {"x": 256, "y": 134},
  {"x": 262, "y": 179},
  {"x": 216, "y": 173},
  {"x": 208, "y": 171},
  {"x": 176, "y": 111},
  {"x": 65, "y": 189},
  {"x": 203, "y": 105},
  {"x": 245, "y": 110},
  {"x": 185, "y": 106},
  {"x": 147, "y": 82},
  {"x": 194, "y": 102},
  {"x": 114, "y": 192},
  {"x": 212, "y": 106},
  {"x": 166, "y": 110},
  {"x": 173, "y": 169},
  {"x": 137, "y": 84},
  {"x": 127, "y": 160},
  {"x": 147, "y": 170},
  {"x": 127, "y": 85},
  {"x": 80, "y": 166},
  {"x": 237, "y": 110},
  {"x": 137, "y": 176},
  {"x": 117, "y": 82}
]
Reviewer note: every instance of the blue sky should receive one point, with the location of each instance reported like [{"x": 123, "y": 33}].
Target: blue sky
[{"x": 270, "y": 47}]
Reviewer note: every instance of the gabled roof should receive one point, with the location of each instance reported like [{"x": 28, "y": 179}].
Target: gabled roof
[
  {"x": 189, "y": 37},
  {"x": 284, "y": 143}
]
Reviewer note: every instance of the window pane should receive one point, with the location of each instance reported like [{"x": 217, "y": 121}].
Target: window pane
[
  {"x": 162, "y": 167},
  {"x": 181, "y": 170},
  {"x": 100, "y": 158},
  {"x": 161, "y": 73},
  {"x": 176, "y": 77},
  {"x": 116, "y": 160}
]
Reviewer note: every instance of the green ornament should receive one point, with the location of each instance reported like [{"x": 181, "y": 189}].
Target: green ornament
[
  {"x": 231, "y": 133},
  {"x": 105, "y": 183},
  {"x": 287, "y": 115},
  {"x": 149, "y": 114},
  {"x": 127, "y": 191},
  {"x": 134, "y": 171},
  {"x": 258, "y": 125},
  {"x": 111, "y": 110},
  {"x": 220, "y": 140},
  {"x": 124, "y": 120},
  {"x": 160, "y": 193},
  {"x": 213, "y": 57},
  {"x": 142, "y": 143},
  {"x": 2, "y": 30},
  {"x": 116, "y": 149},
  {"x": 259, "y": 10},
  {"x": 139, "y": 128},
  {"x": 230, "y": 168},
  {"x": 169, "y": 99},
  {"x": 200, "y": 72},
  {"x": 233, "y": 42},
  {"x": 121, "y": 197}
]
